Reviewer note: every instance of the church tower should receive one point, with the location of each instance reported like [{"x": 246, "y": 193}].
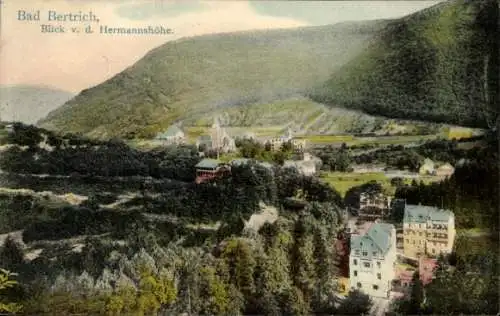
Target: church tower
[
  {"x": 216, "y": 134},
  {"x": 289, "y": 134}
]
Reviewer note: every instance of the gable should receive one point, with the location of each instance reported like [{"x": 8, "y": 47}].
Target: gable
[{"x": 377, "y": 239}]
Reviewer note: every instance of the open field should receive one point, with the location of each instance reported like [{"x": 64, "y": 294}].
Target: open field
[
  {"x": 380, "y": 140},
  {"x": 343, "y": 181}
]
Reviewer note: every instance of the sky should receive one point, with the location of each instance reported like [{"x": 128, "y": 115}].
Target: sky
[{"x": 76, "y": 61}]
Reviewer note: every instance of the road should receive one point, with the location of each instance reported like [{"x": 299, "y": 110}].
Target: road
[{"x": 380, "y": 306}]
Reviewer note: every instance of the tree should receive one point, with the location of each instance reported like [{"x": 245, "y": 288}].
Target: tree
[
  {"x": 6, "y": 282},
  {"x": 214, "y": 292},
  {"x": 302, "y": 257},
  {"x": 356, "y": 303},
  {"x": 413, "y": 305},
  {"x": 241, "y": 262},
  {"x": 326, "y": 271},
  {"x": 11, "y": 254},
  {"x": 397, "y": 182}
]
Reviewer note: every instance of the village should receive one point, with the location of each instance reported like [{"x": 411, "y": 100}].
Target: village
[{"x": 382, "y": 256}]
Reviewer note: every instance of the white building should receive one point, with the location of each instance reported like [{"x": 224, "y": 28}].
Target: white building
[
  {"x": 277, "y": 142},
  {"x": 372, "y": 260},
  {"x": 173, "y": 135},
  {"x": 306, "y": 166}
]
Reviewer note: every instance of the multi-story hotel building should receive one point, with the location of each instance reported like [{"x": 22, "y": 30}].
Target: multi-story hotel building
[
  {"x": 372, "y": 260},
  {"x": 373, "y": 205},
  {"x": 427, "y": 231}
]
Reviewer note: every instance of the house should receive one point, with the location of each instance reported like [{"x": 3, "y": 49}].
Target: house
[
  {"x": 427, "y": 230},
  {"x": 372, "y": 260},
  {"x": 218, "y": 140},
  {"x": 373, "y": 205},
  {"x": 445, "y": 170},
  {"x": 173, "y": 135},
  {"x": 240, "y": 161},
  {"x": 277, "y": 142},
  {"x": 426, "y": 269},
  {"x": 306, "y": 166},
  {"x": 404, "y": 275},
  {"x": 427, "y": 167},
  {"x": 9, "y": 128},
  {"x": 208, "y": 169}
]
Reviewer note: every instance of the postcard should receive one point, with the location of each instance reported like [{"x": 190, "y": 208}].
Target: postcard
[{"x": 249, "y": 157}]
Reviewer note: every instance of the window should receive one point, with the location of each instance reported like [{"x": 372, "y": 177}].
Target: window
[
  {"x": 359, "y": 285},
  {"x": 420, "y": 233},
  {"x": 433, "y": 250},
  {"x": 355, "y": 262},
  {"x": 365, "y": 253},
  {"x": 407, "y": 241},
  {"x": 366, "y": 264},
  {"x": 413, "y": 242},
  {"x": 355, "y": 273},
  {"x": 378, "y": 264},
  {"x": 375, "y": 287},
  {"x": 379, "y": 276},
  {"x": 374, "y": 253}
]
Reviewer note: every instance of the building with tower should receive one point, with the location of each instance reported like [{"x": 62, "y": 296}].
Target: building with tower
[{"x": 217, "y": 140}]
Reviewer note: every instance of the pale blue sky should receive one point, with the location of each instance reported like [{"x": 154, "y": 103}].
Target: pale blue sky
[
  {"x": 31, "y": 57},
  {"x": 328, "y": 12},
  {"x": 310, "y": 12}
]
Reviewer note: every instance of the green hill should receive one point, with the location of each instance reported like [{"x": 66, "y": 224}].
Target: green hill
[
  {"x": 427, "y": 66},
  {"x": 192, "y": 76}
]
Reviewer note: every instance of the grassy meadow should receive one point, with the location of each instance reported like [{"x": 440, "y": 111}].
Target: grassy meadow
[{"x": 343, "y": 181}]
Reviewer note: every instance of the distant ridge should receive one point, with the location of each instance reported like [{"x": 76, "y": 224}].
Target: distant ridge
[
  {"x": 426, "y": 66},
  {"x": 195, "y": 75},
  {"x": 29, "y": 103}
]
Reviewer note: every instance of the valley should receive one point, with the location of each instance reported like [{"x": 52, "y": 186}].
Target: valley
[{"x": 345, "y": 169}]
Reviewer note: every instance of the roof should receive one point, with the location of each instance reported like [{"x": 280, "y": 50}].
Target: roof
[
  {"x": 427, "y": 161},
  {"x": 240, "y": 161},
  {"x": 421, "y": 213},
  {"x": 377, "y": 238},
  {"x": 170, "y": 132},
  {"x": 446, "y": 166},
  {"x": 208, "y": 163},
  {"x": 266, "y": 164}
]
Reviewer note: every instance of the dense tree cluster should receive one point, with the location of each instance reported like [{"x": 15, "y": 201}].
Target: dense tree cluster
[
  {"x": 173, "y": 266},
  {"x": 401, "y": 157},
  {"x": 471, "y": 192},
  {"x": 47, "y": 153},
  {"x": 334, "y": 159},
  {"x": 447, "y": 75},
  {"x": 467, "y": 285},
  {"x": 250, "y": 148},
  {"x": 287, "y": 267}
]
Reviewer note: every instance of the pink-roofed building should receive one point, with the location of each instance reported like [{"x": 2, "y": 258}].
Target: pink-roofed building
[
  {"x": 426, "y": 269},
  {"x": 404, "y": 276}
]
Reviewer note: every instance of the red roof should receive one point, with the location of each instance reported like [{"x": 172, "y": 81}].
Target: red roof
[{"x": 426, "y": 270}]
